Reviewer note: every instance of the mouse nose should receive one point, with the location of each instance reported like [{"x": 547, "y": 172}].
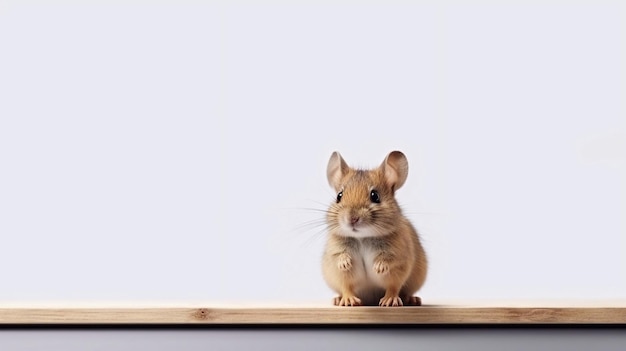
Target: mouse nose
[{"x": 354, "y": 219}]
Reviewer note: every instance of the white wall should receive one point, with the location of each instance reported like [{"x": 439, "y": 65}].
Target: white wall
[{"x": 166, "y": 151}]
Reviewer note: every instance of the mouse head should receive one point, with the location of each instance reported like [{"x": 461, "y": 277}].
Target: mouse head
[{"x": 365, "y": 205}]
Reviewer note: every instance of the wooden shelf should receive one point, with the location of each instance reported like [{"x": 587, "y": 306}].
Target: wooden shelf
[{"x": 440, "y": 314}]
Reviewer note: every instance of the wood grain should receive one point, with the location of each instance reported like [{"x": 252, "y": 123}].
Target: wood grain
[{"x": 289, "y": 315}]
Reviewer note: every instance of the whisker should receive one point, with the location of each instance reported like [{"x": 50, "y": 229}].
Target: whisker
[
  {"x": 425, "y": 213},
  {"x": 324, "y": 204},
  {"x": 303, "y": 209},
  {"x": 310, "y": 225},
  {"x": 314, "y": 237},
  {"x": 403, "y": 207}
]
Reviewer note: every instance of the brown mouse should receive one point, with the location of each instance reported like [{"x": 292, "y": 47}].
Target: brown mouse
[{"x": 373, "y": 255}]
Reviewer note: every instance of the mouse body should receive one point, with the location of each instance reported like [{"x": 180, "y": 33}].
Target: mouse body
[{"x": 373, "y": 254}]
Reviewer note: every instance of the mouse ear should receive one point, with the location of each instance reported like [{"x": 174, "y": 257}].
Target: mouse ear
[
  {"x": 396, "y": 169},
  {"x": 335, "y": 170}
]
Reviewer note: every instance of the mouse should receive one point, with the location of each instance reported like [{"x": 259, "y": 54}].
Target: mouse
[{"x": 373, "y": 254}]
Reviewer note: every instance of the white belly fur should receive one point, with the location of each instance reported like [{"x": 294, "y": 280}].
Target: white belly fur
[{"x": 369, "y": 282}]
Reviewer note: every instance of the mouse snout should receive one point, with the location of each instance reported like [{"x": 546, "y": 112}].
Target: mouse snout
[{"x": 355, "y": 216}]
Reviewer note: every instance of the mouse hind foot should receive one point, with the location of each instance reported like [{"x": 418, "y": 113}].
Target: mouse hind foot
[
  {"x": 412, "y": 301},
  {"x": 347, "y": 300}
]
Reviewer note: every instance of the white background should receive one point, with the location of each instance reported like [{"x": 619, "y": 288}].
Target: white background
[{"x": 170, "y": 150}]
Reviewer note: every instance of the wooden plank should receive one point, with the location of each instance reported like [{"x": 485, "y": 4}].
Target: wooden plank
[{"x": 429, "y": 314}]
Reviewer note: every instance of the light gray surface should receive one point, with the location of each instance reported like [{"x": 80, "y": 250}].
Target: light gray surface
[
  {"x": 311, "y": 340},
  {"x": 166, "y": 150}
]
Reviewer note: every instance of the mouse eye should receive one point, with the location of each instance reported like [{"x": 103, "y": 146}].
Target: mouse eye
[
  {"x": 339, "y": 196},
  {"x": 375, "y": 197}
]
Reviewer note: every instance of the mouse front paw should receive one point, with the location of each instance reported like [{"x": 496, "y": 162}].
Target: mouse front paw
[
  {"x": 381, "y": 267},
  {"x": 344, "y": 262}
]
